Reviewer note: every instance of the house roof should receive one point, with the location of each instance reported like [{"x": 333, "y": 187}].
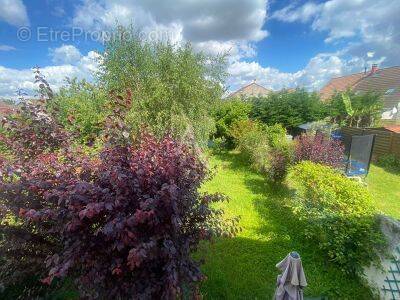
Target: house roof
[
  {"x": 385, "y": 81},
  {"x": 393, "y": 128},
  {"x": 251, "y": 90},
  {"x": 340, "y": 84}
]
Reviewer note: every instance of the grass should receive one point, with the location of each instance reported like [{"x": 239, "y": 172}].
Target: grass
[
  {"x": 384, "y": 186},
  {"x": 244, "y": 267}
]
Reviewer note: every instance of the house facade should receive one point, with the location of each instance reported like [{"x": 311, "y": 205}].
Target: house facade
[
  {"x": 251, "y": 90},
  {"x": 385, "y": 81}
]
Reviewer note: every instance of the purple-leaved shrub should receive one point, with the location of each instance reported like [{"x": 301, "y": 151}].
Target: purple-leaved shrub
[{"x": 319, "y": 149}]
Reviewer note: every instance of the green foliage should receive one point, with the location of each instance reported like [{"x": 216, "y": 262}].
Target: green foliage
[
  {"x": 173, "y": 88},
  {"x": 289, "y": 108},
  {"x": 9, "y": 101},
  {"x": 250, "y": 139},
  {"x": 226, "y": 114},
  {"x": 359, "y": 110},
  {"x": 337, "y": 215},
  {"x": 389, "y": 162},
  {"x": 266, "y": 147},
  {"x": 218, "y": 145},
  {"x": 244, "y": 267},
  {"x": 347, "y": 104},
  {"x": 81, "y": 109}
]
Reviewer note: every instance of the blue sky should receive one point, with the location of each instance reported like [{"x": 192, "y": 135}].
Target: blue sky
[{"x": 279, "y": 43}]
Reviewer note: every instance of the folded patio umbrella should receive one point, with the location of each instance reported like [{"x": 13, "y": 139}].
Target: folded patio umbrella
[{"x": 291, "y": 282}]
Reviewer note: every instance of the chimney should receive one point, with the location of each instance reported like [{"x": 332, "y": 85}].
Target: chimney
[{"x": 374, "y": 69}]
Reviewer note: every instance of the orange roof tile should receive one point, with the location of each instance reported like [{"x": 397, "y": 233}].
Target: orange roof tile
[
  {"x": 340, "y": 84},
  {"x": 393, "y": 128}
]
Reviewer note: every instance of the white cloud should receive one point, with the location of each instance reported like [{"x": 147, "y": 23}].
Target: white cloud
[
  {"x": 210, "y": 25},
  {"x": 291, "y": 13},
  {"x": 14, "y": 12},
  {"x": 201, "y": 20},
  {"x": 371, "y": 19},
  {"x": 7, "y": 48},
  {"x": 318, "y": 71},
  {"x": 370, "y": 27},
  {"x": 12, "y": 80},
  {"x": 373, "y": 25},
  {"x": 58, "y": 11},
  {"x": 66, "y": 54}
]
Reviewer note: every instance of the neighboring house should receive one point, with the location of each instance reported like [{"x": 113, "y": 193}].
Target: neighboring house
[
  {"x": 385, "y": 81},
  {"x": 340, "y": 84},
  {"x": 251, "y": 90}
]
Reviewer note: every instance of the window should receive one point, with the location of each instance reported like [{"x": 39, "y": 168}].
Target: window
[{"x": 390, "y": 91}]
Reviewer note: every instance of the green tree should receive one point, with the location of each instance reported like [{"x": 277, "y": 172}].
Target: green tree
[
  {"x": 227, "y": 113},
  {"x": 288, "y": 108},
  {"x": 359, "y": 110},
  {"x": 173, "y": 87},
  {"x": 81, "y": 108}
]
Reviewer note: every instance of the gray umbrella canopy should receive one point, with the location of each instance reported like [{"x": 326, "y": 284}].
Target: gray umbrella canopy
[{"x": 291, "y": 282}]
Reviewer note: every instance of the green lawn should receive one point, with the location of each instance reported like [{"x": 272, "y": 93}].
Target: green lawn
[
  {"x": 385, "y": 188},
  {"x": 244, "y": 267}
]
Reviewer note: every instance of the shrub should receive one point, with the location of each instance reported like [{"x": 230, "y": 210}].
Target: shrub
[
  {"x": 174, "y": 87},
  {"x": 128, "y": 222},
  {"x": 251, "y": 140},
  {"x": 266, "y": 147},
  {"x": 336, "y": 214},
  {"x": 279, "y": 162},
  {"x": 240, "y": 128},
  {"x": 124, "y": 223},
  {"x": 281, "y": 153},
  {"x": 30, "y": 138},
  {"x": 32, "y": 131},
  {"x": 390, "y": 162},
  {"x": 218, "y": 145},
  {"x": 226, "y": 114},
  {"x": 319, "y": 149}
]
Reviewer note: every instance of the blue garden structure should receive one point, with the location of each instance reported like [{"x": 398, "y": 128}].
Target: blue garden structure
[
  {"x": 360, "y": 154},
  {"x": 336, "y": 135}
]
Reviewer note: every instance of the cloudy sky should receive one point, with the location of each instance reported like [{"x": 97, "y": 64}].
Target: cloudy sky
[{"x": 280, "y": 43}]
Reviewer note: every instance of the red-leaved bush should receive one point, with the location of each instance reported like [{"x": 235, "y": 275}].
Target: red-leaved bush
[
  {"x": 29, "y": 140},
  {"x": 128, "y": 222},
  {"x": 319, "y": 149},
  {"x": 123, "y": 223}
]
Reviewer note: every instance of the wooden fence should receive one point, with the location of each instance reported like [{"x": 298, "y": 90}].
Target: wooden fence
[{"x": 386, "y": 142}]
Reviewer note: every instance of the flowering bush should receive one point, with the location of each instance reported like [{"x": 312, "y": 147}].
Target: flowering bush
[{"x": 319, "y": 149}]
